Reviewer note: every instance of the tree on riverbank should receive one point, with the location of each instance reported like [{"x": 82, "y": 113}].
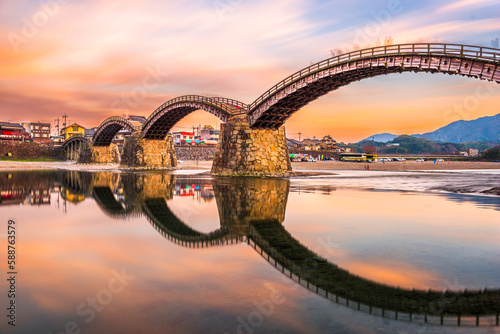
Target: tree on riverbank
[
  {"x": 491, "y": 155},
  {"x": 406, "y": 144}
]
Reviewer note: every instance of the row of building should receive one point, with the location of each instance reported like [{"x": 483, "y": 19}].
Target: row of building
[
  {"x": 41, "y": 193},
  {"x": 327, "y": 143},
  {"x": 38, "y": 132},
  {"x": 207, "y": 135},
  {"x": 41, "y": 133}
]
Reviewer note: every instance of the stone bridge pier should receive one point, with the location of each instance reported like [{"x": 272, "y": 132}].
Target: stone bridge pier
[
  {"x": 244, "y": 200},
  {"x": 106, "y": 154},
  {"x": 243, "y": 150},
  {"x": 148, "y": 153}
]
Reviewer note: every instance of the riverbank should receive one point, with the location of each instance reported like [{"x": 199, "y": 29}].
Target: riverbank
[
  {"x": 297, "y": 166},
  {"x": 71, "y": 165},
  {"x": 394, "y": 165}
]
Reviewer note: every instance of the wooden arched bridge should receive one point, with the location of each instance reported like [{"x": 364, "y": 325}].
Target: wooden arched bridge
[
  {"x": 277, "y": 104},
  {"x": 252, "y": 139}
]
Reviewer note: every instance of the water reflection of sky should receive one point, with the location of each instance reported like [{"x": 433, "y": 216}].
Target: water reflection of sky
[
  {"x": 404, "y": 239},
  {"x": 67, "y": 251}
]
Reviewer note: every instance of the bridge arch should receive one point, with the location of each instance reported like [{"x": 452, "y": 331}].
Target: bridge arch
[
  {"x": 112, "y": 207},
  {"x": 108, "y": 129},
  {"x": 74, "y": 140},
  {"x": 278, "y": 103},
  {"x": 73, "y": 146},
  {"x": 287, "y": 254},
  {"x": 171, "y": 227},
  {"x": 161, "y": 121},
  {"x": 77, "y": 182}
]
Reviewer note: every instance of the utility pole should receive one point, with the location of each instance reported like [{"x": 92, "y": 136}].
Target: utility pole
[
  {"x": 299, "y": 135},
  {"x": 57, "y": 126},
  {"x": 65, "y": 117}
]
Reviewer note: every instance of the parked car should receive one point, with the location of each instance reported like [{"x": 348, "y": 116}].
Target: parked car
[
  {"x": 419, "y": 160},
  {"x": 311, "y": 160},
  {"x": 439, "y": 160}
]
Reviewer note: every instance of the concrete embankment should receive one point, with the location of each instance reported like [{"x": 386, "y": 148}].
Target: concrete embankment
[{"x": 186, "y": 153}]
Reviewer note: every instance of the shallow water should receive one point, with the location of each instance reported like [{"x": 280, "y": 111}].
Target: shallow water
[{"x": 156, "y": 253}]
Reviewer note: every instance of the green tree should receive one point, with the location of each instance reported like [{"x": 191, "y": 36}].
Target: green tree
[{"x": 491, "y": 154}]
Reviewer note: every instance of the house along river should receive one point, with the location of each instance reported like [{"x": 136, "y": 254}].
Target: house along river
[{"x": 150, "y": 252}]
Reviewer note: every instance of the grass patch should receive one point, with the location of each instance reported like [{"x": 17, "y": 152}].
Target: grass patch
[{"x": 26, "y": 160}]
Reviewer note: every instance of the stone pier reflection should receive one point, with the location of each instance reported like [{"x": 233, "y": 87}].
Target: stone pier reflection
[{"x": 242, "y": 200}]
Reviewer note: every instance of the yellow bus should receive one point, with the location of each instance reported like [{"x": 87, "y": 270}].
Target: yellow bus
[{"x": 357, "y": 157}]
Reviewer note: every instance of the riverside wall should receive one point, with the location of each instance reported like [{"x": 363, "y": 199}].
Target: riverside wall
[
  {"x": 195, "y": 152},
  {"x": 24, "y": 150}
]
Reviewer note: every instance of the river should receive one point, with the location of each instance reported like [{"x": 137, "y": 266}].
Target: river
[{"x": 152, "y": 252}]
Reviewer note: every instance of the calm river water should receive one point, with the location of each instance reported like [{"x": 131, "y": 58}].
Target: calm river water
[{"x": 162, "y": 253}]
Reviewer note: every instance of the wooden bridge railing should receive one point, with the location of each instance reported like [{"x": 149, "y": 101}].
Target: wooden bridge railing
[
  {"x": 219, "y": 102},
  {"x": 120, "y": 119},
  {"x": 240, "y": 106}
]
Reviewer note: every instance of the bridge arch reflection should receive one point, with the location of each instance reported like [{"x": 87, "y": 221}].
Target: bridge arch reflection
[
  {"x": 253, "y": 210},
  {"x": 294, "y": 260}
]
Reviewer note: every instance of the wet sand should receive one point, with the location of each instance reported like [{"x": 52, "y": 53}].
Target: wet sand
[
  {"x": 394, "y": 166},
  {"x": 297, "y": 166}
]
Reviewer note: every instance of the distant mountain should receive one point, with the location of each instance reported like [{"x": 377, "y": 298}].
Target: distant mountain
[
  {"x": 381, "y": 137},
  {"x": 481, "y": 129}
]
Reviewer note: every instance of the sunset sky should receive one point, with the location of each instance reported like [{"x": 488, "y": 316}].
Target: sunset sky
[{"x": 92, "y": 59}]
